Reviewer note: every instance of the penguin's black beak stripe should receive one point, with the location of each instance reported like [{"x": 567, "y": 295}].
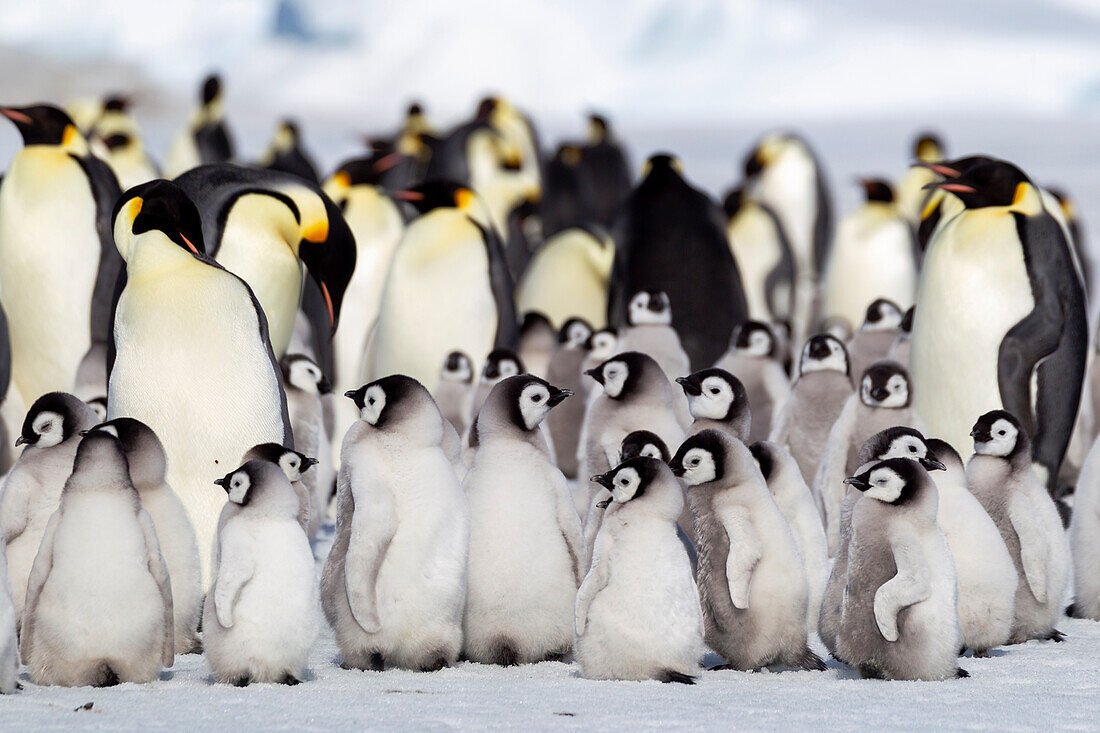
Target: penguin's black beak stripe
[
  {"x": 604, "y": 504},
  {"x": 20, "y": 441},
  {"x": 858, "y": 483},
  {"x": 558, "y": 396},
  {"x": 980, "y": 434},
  {"x": 324, "y": 386},
  {"x": 603, "y": 479},
  {"x": 350, "y": 394},
  {"x": 221, "y": 482},
  {"x": 310, "y": 462},
  {"x": 595, "y": 374},
  {"x": 931, "y": 464},
  {"x": 690, "y": 386}
]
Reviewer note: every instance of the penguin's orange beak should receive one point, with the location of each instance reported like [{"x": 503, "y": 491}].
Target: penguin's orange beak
[{"x": 944, "y": 170}]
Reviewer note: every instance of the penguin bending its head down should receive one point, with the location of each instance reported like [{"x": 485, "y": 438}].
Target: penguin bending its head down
[
  {"x": 286, "y": 153},
  {"x": 205, "y": 138}
]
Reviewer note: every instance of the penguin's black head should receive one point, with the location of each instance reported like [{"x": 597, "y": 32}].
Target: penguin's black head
[
  {"x": 415, "y": 109},
  {"x": 899, "y": 442},
  {"x": 945, "y": 454},
  {"x": 161, "y": 206},
  {"x": 41, "y": 124},
  {"x": 733, "y": 202},
  {"x": 116, "y": 103},
  {"x": 53, "y": 418},
  {"x": 754, "y": 163},
  {"x": 894, "y": 481},
  {"x": 534, "y": 321},
  {"x": 117, "y": 140},
  {"x": 437, "y": 194},
  {"x": 649, "y": 307},
  {"x": 663, "y": 165},
  {"x": 99, "y": 407},
  {"x": 485, "y": 108},
  {"x": 211, "y": 88},
  {"x": 999, "y": 433},
  {"x": 928, "y": 147},
  {"x": 301, "y": 372},
  {"x": 501, "y": 364},
  {"x": 530, "y": 399},
  {"x": 754, "y": 338},
  {"x": 764, "y": 453},
  {"x": 957, "y": 167},
  {"x": 906, "y": 325},
  {"x": 877, "y": 189},
  {"x": 993, "y": 183},
  {"x": 241, "y": 483},
  {"x": 629, "y": 480},
  {"x": 368, "y": 170},
  {"x": 598, "y": 127},
  {"x": 575, "y": 333},
  {"x": 882, "y": 315},
  {"x": 885, "y": 384},
  {"x": 715, "y": 394},
  {"x": 603, "y": 341},
  {"x": 701, "y": 458},
  {"x": 134, "y": 435},
  {"x": 621, "y": 374},
  {"x": 292, "y": 463},
  {"x": 643, "y": 443},
  {"x": 824, "y": 352},
  {"x": 291, "y": 129},
  {"x": 457, "y": 368},
  {"x": 380, "y": 400},
  {"x": 96, "y": 447}
]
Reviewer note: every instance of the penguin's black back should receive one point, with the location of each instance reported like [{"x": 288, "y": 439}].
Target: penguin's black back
[{"x": 604, "y": 177}]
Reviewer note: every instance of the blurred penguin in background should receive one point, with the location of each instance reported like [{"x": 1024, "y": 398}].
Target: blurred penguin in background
[
  {"x": 603, "y": 173},
  {"x": 286, "y": 153},
  {"x": 877, "y": 334},
  {"x": 568, "y": 276},
  {"x": 117, "y": 138},
  {"x": 752, "y": 359},
  {"x": 205, "y": 138},
  {"x": 910, "y": 192},
  {"x": 763, "y": 255},
  {"x": 537, "y": 341}
]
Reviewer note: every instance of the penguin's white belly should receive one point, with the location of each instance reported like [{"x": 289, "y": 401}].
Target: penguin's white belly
[
  {"x": 973, "y": 289},
  {"x": 756, "y": 249},
  {"x": 195, "y": 370},
  {"x": 131, "y": 168},
  {"x": 273, "y": 273},
  {"x": 563, "y": 281},
  {"x": 183, "y": 155},
  {"x": 49, "y": 258},
  {"x": 871, "y": 259}
]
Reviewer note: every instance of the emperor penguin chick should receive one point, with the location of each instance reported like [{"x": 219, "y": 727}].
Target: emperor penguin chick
[
  {"x": 147, "y": 463},
  {"x": 261, "y": 617},
  {"x": 752, "y": 585},
  {"x": 794, "y": 500},
  {"x": 564, "y": 370},
  {"x": 306, "y": 387},
  {"x": 51, "y": 434},
  {"x": 394, "y": 584},
  {"x": 499, "y": 365},
  {"x": 717, "y": 400},
  {"x": 817, "y": 398},
  {"x": 527, "y": 554},
  {"x": 987, "y": 579},
  {"x": 753, "y": 358},
  {"x": 452, "y": 394},
  {"x": 1001, "y": 477},
  {"x": 899, "y": 619},
  {"x": 100, "y": 559},
  {"x": 876, "y": 336},
  {"x": 649, "y": 330},
  {"x": 9, "y": 642},
  {"x": 293, "y": 465},
  {"x": 637, "y": 613}
]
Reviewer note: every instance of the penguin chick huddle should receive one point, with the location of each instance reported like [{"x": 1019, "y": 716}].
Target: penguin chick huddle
[{"x": 587, "y": 416}]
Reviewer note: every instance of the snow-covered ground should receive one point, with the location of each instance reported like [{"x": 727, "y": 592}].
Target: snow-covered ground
[{"x": 1036, "y": 686}]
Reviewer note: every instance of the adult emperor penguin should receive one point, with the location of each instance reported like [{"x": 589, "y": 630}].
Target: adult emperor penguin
[
  {"x": 565, "y": 371},
  {"x": 783, "y": 173},
  {"x": 637, "y": 615},
  {"x": 817, "y": 398},
  {"x": 175, "y": 295},
  {"x": 876, "y": 336},
  {"x": 603, "y": 174},
  {"x": 987, "y": 581},
  {"x": 32, "y": 490},
  {"x": 752, "y": 584},
  {"x": 568, "y": 277},
  {"x": 261, "y": 615},
  {"x": 793, "y": 497},
  {"x": 1000, "y": 308},
  {"x": 57, "y": 265},
  {"x": 1076, "y": 234},
  {"x": 100, "y": 560},
  {"x": 263, "y": 226},
  {"x": 910, "y": 192},
  {"x": 754, "y": 359},
  {"x": 1001, "y": 475},
  {"x": 287, "y": 155},
  {"x": 874, "y": 255},
  {"x": 763, "y": 255},
  {"x": 718, "y": 400},
  {"x": 884, "y": 400},
  {"x": 452, "y": 393},
  {"x": 176, "y": 536},
  {"x": 205, "y": 138},
  {"x": 123, "y": 149},
  {"x": 527, "y": 554},
  {"x": 671, "y": 237},
  {"x": 1084, "y": 535},
  {"x": 394, "y": 584},
  {"x": 899, "y": 620}
]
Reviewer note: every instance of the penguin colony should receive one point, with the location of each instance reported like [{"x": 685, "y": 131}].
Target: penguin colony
[{"x": 556, "y": 412}]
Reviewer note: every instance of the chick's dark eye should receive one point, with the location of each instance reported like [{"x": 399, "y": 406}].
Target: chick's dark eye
[
  {"x": 370, "y": 401},
  {"x": 1000, "y": 432},
  {"x": 912, "y": 449},
  {"x": 714, "y": 390}
]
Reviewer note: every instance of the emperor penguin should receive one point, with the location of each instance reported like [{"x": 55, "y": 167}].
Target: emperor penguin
[
  {"x": 818, "y": 396},
  {"x": 753, "y": 358},
  {"x": 117, "y": 138},
  {"x": 568, "y": 276},
  {"x": 1001, "y": 476},
  {"x": 649, "y": 330},
  {"x": 910, "y": 192},
  {"x": 175, "y": 295},
  {"x": 261, "y": 615},
  {"x": 987, "y": 581},
  {"x": 305, "y": 387},
  {"x": 498, "y": 366},
  {"x": 1068, "y": 209},
  {"x": 453, "y": 392},
  {"x": 603, "y": 173},
  {"x": 527, "y": 553},
  {"x": 1000, "y": 320},
  {"x": 448, "y": 289},
  {"x": 263, "y": 226},
  {"x": 670, "y": 237},
  {"x": 57, "y": 264},
  {"x": 792, "y": 496},
  {"x": 562, "y": 205},
  {"x": 899, "y": 352},
  {"x": 874, "y": 255},
  {"x": 9, "y": 642},
  {"x": 636, "y": 396},
  {"x": 294, "y": 466},
  {"x": 287, "y": 154},
  {"x": 783, "y": 173},
  {"x": 205, "y": 138},
  {"x": 876, "y": 336},
  {"x": 538, "y": 340},
  {"x": 894, "y": 442},
  {"x": 99, "y": 554},
  {"x": 394, "y": 583},
  {"x": 565, "y": 370},
  {"x": 899, "y": 620},
  {"x": 718, "y": 400},
  {"x": 32, "y": 490},
  {"x": 752, "y": 583},
  {"x": 146, "y": 461},
  {"x": 637, "y": 614},
  {"x": 884, "y": 400},
  {"x": 941, "y": 205},
  {"x": 763, "y": 255}
]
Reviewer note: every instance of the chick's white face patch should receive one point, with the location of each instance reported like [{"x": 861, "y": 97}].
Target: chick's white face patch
[
  {"x": 614, "y": 378},
  {"x": 886, "y": 485},
  {"x": 625, "y": 485},
  {"x": 50, "y": 429},
  {"x": 534, "y": 404},
  {"x": 291, "y": 465},
  {"x": 374, "y": 401},
  {"x": 239, "y": 485},
  {"x": 699, "y": 467},
  {"x": 1002, "y": 442}
]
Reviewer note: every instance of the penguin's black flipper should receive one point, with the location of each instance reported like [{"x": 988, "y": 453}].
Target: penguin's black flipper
[
  {"x": 823, "y": 224},
  {"x": 500, "y": 280},
  {"x": 782, "y": 274},
  {"x": 961, "y": 673},
  {"x": 928, "y": 225},
  {"x": 5, "y": 355},
  {"x": 213, "y": 142},
  {"x": 679, "y": 677},
  {"x": 105, "y": 192}
]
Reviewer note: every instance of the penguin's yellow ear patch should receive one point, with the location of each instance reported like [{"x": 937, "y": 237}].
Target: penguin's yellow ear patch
[
  {"x": 342, "y": 179},
  {"x": 463, "y": 198},
  {"x": 933, "y": 203},
  {"x": 1021, "y": 191},
  {"x": 316, "y": 232},
  {"x": 67, "y": 135},
  {"x": 133, "y": 207}
]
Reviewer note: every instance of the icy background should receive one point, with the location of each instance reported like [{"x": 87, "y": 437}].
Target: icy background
[{"x": 1015, "y": 78}]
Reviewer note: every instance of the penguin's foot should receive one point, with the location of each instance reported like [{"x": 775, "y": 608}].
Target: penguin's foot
[
  {"x": 870, "y": 672},
  {"x": 979, "y": 653},
  {"x": 506, "y": 654},
  {"x": 242, "y": 681},
  {"x": 670, "y": 675},
  {"x": 556, "y": 656},
  {"x": 290, "y": 680},
  {"x": 195, "y": 648},
  {"x": 105, "y": 676},
  {"x": 1056, "y": 635},
  {"x": 377, "y": 662},
  {"x": 722, "y": 668},
  {"x": 437, "y": 664},
  {"x": 811, "y": 662},
  {"x": 1071, "y": 610},
  {"x": 961, "y": 674}
]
